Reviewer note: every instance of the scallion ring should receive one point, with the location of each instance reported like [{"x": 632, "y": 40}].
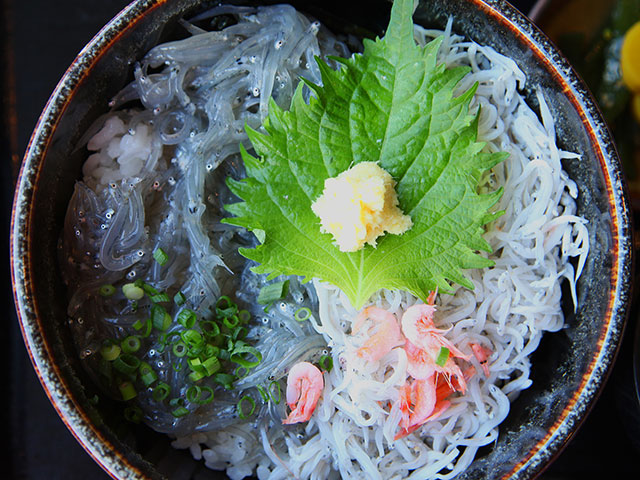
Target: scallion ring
[
  {"x": 187, "y": 318},
  {"x": 263, "y": 393},
  {"x": 302, "y": 314},
  {"x": 132, "y": 292},
  {"x": 204, "y": 399},
  {"x": 160, "y": 256},
  {"x": 274, "y": 387},
  {"x": 179, "y": 299},
  {"x": 160, "y": 318},
  {"x": 160, "y": 298},
  {"x": 244, "y": 316},
  {"x": 238, "y": 356},
  {"x": 252, "y": 408},
  {"x": 147, "y": 374},
  {"x": 231, "y": 322},
  {"x": 225, "y": 307},
  {"x": 133, "y": 414},
  {"x": 146, "y": 325},
  {"x": 126, "y": 363},
  {"x": 179, "y": 349},
  {"x": 326, "y": 363},
  {"x": 107, "y": 290},
  {"x": 209, "y": 328},
  {"x": 160, "y": 391},
  {"x": 127, "y": 391},
  {"x": 443, "y": 356},
  {"x": 193, "y": 393},
  {"x": 130, "y": 344},
  {"x": 110, "y": 350}
]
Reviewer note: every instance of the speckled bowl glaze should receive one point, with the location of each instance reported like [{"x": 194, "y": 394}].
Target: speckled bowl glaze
[{"x": 570, "y": 367}]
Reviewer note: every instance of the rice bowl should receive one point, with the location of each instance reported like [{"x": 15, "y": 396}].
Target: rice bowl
[{"x": 555, "y": 325}]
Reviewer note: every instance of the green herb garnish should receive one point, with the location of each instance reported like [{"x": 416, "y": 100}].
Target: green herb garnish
[{"x": 394, "y": 105}]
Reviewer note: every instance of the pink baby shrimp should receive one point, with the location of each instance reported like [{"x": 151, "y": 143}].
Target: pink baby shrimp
[
  {"x": 386, "y": 336},
  {"x": 419, "y": 404},
  {"x": 423, "y": 345},
  {"x": 304, "y": 387},
  {"x": 482, "y": 354}
]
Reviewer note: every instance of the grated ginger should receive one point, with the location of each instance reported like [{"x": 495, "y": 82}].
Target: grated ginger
[{"x": 359, "y": 205}]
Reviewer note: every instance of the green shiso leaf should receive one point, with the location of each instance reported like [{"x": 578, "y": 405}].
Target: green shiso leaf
[{"x": 392, "y": 104}]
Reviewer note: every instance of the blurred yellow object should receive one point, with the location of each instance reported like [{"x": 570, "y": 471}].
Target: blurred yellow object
[{"x": 630, "y": 59}]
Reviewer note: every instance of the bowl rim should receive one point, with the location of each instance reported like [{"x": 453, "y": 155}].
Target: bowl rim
[{"x": 76, "y": 418}]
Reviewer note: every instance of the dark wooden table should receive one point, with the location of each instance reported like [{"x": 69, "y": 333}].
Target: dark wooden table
[{"x": 38, "y": 40}]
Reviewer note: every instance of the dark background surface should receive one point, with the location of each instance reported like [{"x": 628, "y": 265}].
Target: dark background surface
[{"x": 38, "y": 40}]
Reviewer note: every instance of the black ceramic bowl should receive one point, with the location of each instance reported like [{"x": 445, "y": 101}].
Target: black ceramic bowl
[{"x": 570, "y": 366}]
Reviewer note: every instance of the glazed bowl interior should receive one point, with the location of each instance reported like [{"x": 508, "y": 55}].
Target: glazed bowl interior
[{"x": 570, "y": 366}]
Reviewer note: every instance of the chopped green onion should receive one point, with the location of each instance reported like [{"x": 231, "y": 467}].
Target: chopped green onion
[
  {"x": 179, "y": 299},
  {"x": 148, "y": 289},
  {"x": 209, "y": 328},
  {"x": 206, "y": 399},
  {"x": 160, "y": 257},
  {"x": 443, "y": 356},
  {"x": 196, "y": 350},
  {"x": 195, "y": 376},
  {"x": 224, "y": 379},
  {"x": 179, "y": 349},
  {"x": 133, "y": 414},
  {"x": 237, "y": 356},
  {"x": 131, "y": 344},
  {"x": 160, "y": 298},
  {"x": 272, "y": 292},
  {"x": 147, "y": 374},
  {"x": 239, "y": 333},
  {"x": 107, "y": 290},
  {"x": 146, "y": 324},
  {"x": 225, "y": 307},
  {"x": 251, "y": 401},
  {"x": 193, "y": 393},
  {"x": 127, "y": 391},
  {"x": 231, "y": 322},
  {"x": 241, "y": 371},
  {"x": 193, "y": 338},
  {"x": 132, "y": 292},
  {"x": 224, "y": 355},
  {"x": 160, "y": 318},
  {"x": 160, "y": 391},
  {"x": 187, "y": 318},
  {"x": 244, "y": 316},
  {"x": 326, "y": 363},
  {"x": 263, "y": 393},
  {"x": 177, "y": 366},
  {"x": 211, "y": 365},
  {"x": 180, "y": 410},
  {"x": 211, "y": 350},
  {"x": 110, "y": 350},
  {"x": 277, "y": 390},
  {"x": 126, "y": 363},
  {"x": 134, "y": 306},
  {"x": 302, "y": 314}
]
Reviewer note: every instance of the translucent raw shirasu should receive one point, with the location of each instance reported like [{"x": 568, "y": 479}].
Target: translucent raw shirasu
[
  {"x": 156, "y": 179},
  {"x": 351, "y": 433}
]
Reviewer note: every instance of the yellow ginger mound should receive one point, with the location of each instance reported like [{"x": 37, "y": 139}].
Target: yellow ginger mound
[{"x": 359, "y": 205}]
